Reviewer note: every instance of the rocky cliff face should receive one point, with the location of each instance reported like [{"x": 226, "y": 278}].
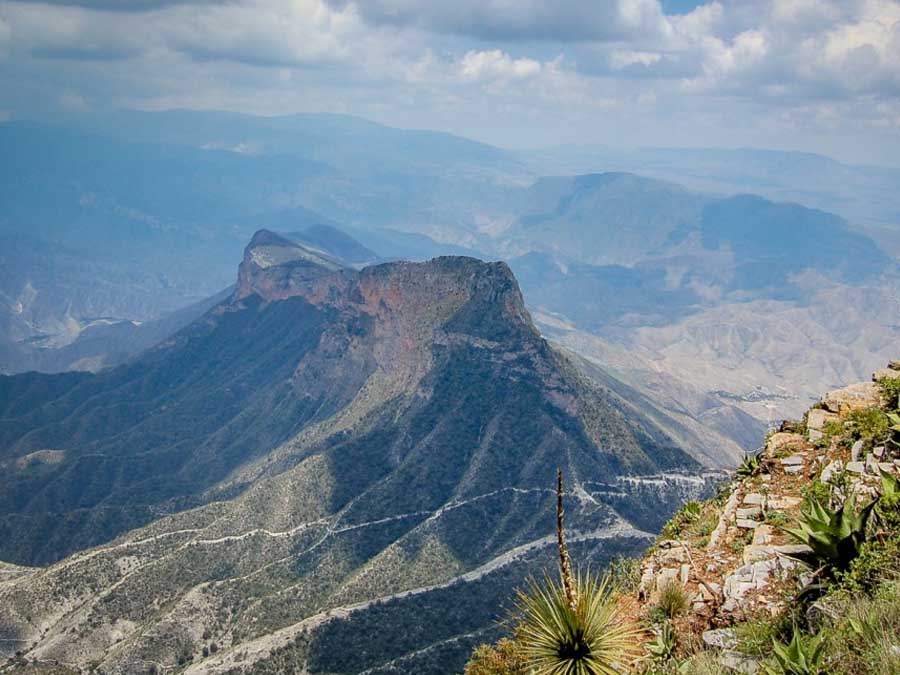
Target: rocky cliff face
[{"x": 328, "y": 454}]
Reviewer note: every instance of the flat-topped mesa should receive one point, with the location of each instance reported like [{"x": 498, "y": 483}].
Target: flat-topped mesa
[
  {"x": 475, "y": 297},
  {"x": 469, "y": 295}
]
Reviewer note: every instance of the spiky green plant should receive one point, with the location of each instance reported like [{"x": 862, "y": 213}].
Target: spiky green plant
[
  {"x": 673, "y": 601},
  {"x": 571, "y": 626},
  {"x": 834, "y": 535},
  {"x": 800, "y": 657},
  {"x": 749, "y": 467},
  {"x": 890, "y": 484},
  {"x": 688, "y": 514},
  {"x": 589, "y": 639}
]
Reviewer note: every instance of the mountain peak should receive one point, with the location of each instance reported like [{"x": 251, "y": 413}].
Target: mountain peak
[
  {"x": 266, "y": 237},
  {"x": 276, "y": 268},
  {"x": 471, "y": 294}
]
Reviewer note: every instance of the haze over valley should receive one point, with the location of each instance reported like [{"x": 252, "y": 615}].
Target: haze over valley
[{"x": 325, "y": 325}]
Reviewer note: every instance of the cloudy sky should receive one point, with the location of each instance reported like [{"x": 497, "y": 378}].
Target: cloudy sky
[{"x": 819, "y": 75}]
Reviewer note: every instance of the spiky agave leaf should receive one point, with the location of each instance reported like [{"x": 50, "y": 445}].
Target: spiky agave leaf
[
  {"x": 589, "y": 639},
  {"x": 834, "y": 535},
  {"x": 798, "y": 657}
]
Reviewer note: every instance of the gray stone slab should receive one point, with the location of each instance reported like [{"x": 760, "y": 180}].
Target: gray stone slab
[{"x": 721, "y": 638}]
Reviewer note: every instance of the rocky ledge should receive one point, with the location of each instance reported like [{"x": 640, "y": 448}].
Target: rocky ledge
[{"x": 730, "y": 555}]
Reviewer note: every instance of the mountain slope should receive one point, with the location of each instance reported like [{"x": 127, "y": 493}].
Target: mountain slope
[
  {"x": 323, "y": 439},
  {"x": 711, "y": 303}
]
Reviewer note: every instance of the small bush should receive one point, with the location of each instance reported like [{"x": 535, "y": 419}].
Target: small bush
[
  {"x": 503, "y": 658},
  {"x": 887, "y": 513},
  {"x": 871, "y": 425},
  {"x": 833, "y": 428},
  {"x": 776, "y": 518},
  {"x": 673, "y": 601},
  {"x": 755, "y": 637},
  {"x": 875, "y": 565},
  {"x": 818, "y": 491},
  {"x": 864, "y": 639},
  {"x": 890, "y": 388},
  {"x": 704, "y": 663},
  {"x": 625, "y": 574}
]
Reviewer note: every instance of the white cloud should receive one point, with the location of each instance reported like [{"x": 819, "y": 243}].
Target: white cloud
[
  {"x": 265, "y": 33},
  {"x": 500, "y": 64},
  {"x": 620, "y": 59},
  {"x": 261, "y": 32},
  {"x": 562, "y": 20},
  {"x": 494, "y": 65}
]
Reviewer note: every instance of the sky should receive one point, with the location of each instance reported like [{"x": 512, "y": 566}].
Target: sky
[{"x": 813, "y": 75}]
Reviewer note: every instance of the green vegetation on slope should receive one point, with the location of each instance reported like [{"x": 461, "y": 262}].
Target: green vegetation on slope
[{"x": 839, "y": 614}]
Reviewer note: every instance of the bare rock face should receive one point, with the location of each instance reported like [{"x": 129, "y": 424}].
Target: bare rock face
[
  {"x": 854, "y": 397},
  {"x": 817, "y": 419},
  {"x": 889, "y": 373},
  {"x": 275, "y": 268}
]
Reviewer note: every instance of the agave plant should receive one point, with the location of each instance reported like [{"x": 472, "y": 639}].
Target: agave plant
[
  {"x": 799, "y": 657},
  {"x": 571, "y": 626},
  {"x": 688, "y": 514},
  {"x": 834, "y": 535},
  {"x": 749, "y": 467},
  {"x": 890, "y": 484}
]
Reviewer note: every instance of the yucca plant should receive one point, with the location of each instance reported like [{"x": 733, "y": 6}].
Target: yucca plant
[
  {"x": 834, "y": 535},
  {"x": 588, "y": 639},
  {"x": 800, "y": 657},
  {"x": 571, "y": 626}
]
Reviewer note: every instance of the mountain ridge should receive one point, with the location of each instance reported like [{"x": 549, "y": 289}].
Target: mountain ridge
[{"x": 312, "y": 454}]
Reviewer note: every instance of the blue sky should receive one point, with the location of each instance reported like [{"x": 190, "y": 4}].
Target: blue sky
[
  {"x": 680, "y": 6},
  {"x": 815, "y": 75}
]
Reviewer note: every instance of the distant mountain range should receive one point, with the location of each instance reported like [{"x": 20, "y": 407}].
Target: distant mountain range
[
  {"x": 328, "y": 458},
  {"x": 119, "y": 219},
  {"x": 864, "y": 195}
]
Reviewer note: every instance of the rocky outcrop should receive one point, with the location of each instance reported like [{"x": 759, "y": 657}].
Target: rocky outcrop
[{"x": 746, "y": 565}]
